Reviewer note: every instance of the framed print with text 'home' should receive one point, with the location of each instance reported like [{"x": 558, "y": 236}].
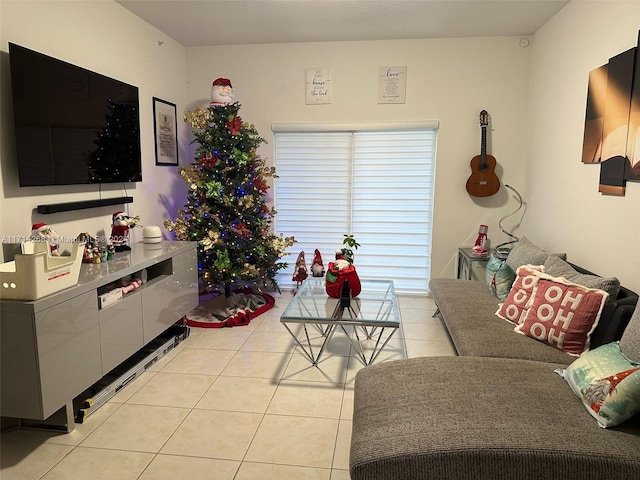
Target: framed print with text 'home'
[{"x": 317, "y": 86}]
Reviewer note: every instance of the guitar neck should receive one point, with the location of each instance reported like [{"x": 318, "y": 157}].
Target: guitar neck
[{"x": 483, "y": 148}]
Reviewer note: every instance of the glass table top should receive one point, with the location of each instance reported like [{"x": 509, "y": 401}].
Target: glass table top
[{"x": 376, "y": 305}]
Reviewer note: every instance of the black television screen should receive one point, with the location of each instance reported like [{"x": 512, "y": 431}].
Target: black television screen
[{"x": 73, "y": 126}]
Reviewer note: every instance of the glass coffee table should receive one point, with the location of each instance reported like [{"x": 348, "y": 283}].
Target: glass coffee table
[{"x": 373, "y": 315}]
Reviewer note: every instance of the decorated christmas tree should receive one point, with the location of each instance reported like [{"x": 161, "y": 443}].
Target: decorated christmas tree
[{"x": 227, "y": 213}]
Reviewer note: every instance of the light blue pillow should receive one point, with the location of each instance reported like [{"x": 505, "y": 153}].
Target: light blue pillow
[
  {"x": 499, "y": 277},
  {"x": 607, "y": 382}
]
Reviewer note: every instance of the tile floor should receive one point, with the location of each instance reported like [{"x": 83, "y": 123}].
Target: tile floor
[{"x": 227, "y": 404}]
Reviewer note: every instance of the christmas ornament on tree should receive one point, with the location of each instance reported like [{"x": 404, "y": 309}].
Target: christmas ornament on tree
[{"x": 226, "y": 211}]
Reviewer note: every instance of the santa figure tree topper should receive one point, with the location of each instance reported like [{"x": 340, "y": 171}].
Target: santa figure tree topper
[{"x": 221, "y": 92}]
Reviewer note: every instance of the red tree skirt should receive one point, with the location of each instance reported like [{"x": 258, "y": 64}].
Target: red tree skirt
[{"x": 216, "y": 311}]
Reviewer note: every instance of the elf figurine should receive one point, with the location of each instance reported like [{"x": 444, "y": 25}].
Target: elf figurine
[
  {"x": 300, "y": 272},
  {"x": 41, "y": 232},
  {"x": 221, "y": 92},
  {"x": 317, "y": 267},
  {"x": 121, "y": 223}
]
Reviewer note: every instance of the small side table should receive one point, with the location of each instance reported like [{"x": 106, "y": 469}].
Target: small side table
[{"x": 467, "y": 261}]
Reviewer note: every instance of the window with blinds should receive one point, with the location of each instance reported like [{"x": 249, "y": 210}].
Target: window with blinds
[{"x": 376, "y": 184}]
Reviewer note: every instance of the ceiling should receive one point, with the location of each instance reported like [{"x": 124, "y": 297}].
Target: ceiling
[{"x": 235, "y": 22}]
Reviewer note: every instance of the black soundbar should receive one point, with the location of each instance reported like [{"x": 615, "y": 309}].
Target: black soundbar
[{"x": 66, "y": 207}]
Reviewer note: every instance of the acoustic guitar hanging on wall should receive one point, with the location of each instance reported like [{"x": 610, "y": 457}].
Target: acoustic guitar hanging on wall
[{"x": 483, "y": 181}]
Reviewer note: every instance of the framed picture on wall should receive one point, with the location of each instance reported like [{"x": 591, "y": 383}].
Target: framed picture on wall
[
  {"x": 318, "y": 86},
  {"x": 165, "y": 129},
  {"x": 392, "y": 84}
]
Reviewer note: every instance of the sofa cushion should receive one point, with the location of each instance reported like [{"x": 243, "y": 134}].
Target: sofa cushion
[
  {"x": 607, "y": 382},
  {"x": 557, "y": 267},
  {"x": 563, "y": 314},
  {"x": 469, "y": 418},
  {"x": 526, "y": 252},
  {"x": 517, "y": 303},
  {"x": 630, "y": 341},
  {"x": 467, "y": 309}
]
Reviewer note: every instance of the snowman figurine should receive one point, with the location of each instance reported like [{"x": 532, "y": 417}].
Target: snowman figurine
[{"x": 221, "y": 92}]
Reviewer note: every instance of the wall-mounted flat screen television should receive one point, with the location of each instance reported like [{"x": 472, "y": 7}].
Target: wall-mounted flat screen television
[{"x": 73, "y": 126}]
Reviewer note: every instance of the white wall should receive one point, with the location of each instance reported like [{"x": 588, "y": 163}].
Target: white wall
[
  {"x": 566, "y": 212},
  {"x": 449, "y": 80},
  {"x": 106, "y": 38},
  {"x": 537, "y": 141}
]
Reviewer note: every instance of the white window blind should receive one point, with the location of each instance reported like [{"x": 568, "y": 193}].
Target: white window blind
[{"x": 374, "y": 184}]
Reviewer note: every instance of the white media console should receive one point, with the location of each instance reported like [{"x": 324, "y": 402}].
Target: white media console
[{"x": 54, "y": 348}]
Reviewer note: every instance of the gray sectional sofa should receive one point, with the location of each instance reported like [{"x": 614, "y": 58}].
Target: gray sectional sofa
[{"x": 496, "y": 411}]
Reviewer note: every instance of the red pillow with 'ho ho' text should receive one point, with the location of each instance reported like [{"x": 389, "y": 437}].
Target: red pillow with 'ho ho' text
[
  {"x": 563, "y": 314},
  {"x": 515, "y": 306}
]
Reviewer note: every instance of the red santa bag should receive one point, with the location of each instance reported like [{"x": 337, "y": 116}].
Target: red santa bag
[{"x": 335, "y": 279}]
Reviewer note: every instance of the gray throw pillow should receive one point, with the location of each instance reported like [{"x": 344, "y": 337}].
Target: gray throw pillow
[
  {"x": 525, "y": 252},
  {"x": 630, "y": 341},
  {"x": 556, "y": 267}
]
